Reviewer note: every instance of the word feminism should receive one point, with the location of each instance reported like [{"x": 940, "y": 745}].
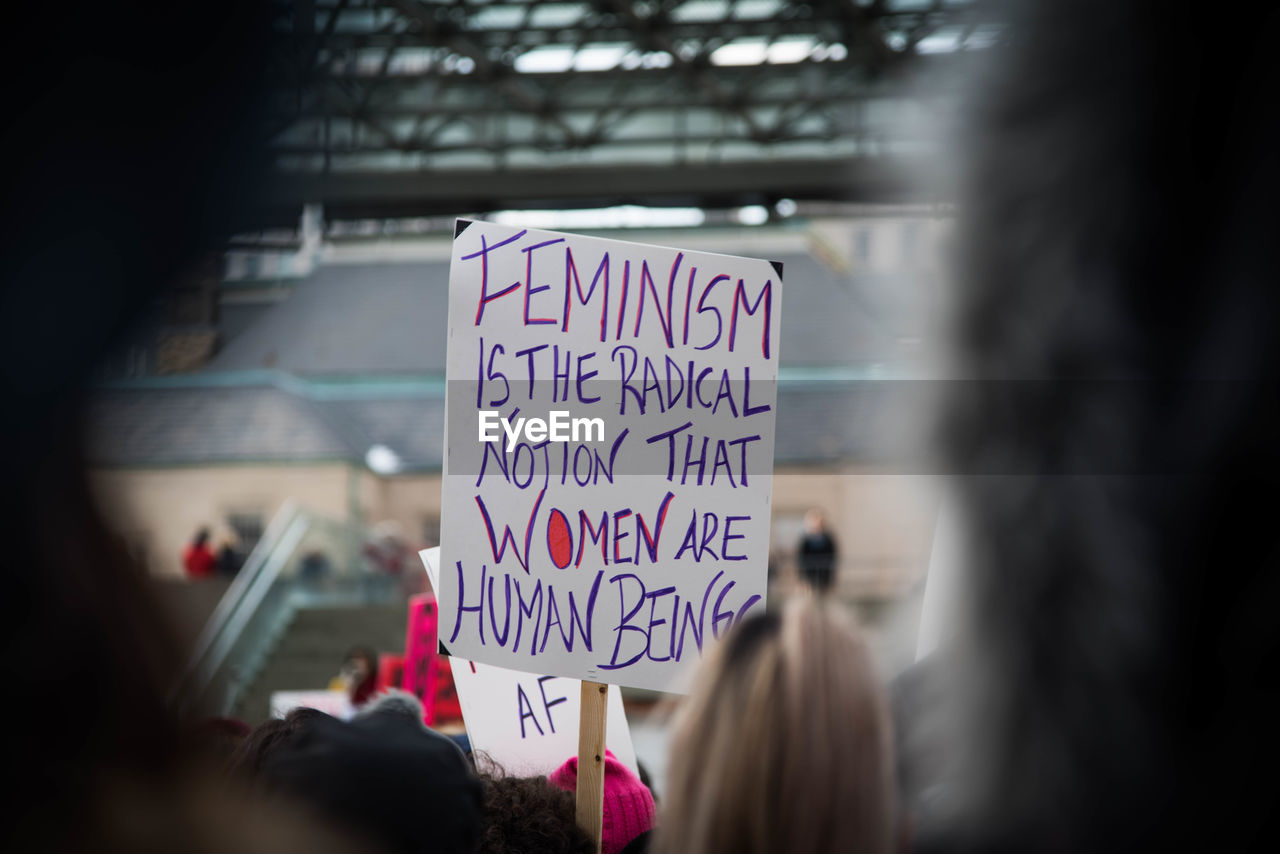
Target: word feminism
[
  {"x": 558, "y": 427},
  {"x": 707, "y": 294}
]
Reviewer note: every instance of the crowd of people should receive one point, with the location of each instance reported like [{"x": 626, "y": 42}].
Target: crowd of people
[
  {"x": 200, "y": 561},
  {"x": 787, "y": 706}
]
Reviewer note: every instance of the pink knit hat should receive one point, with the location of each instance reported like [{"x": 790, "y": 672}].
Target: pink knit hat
[{"x": 628, "y": 803}]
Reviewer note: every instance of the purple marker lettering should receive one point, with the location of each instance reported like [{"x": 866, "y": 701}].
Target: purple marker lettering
[
  {"x": 570, "y": 270},
  {"x": 546, "y": 703},
  {"x": 529, "y": 289},
  {"x": 523, "y": 704},
  {"x": 740, "y": 298},
  {"x": 483, "y": 255},
  {"x": 724, "y": 542},
  {"x": 468, "y": 609},
  {"x": 624, "y": 623},
  {"x": 702, "y": 308}
]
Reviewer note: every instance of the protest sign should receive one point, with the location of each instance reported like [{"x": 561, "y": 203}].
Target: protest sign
[
  {"x": 419, "y": 676},
  {"x": 390, "y": 671},
  {"x": 609, "y": 447},
  {"x": 526, "y": 722},
  {"x": 335, "y": 703},
  {"x": 444, "y": 698}
]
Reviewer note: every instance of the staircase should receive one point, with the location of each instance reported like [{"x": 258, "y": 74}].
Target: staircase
[{"x": 311, "y": 647}]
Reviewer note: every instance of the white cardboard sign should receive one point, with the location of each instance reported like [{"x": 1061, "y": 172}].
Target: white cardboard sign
[
  {"x": 527, "y": 723},
  {"x": 335, "y": 703},
  {"x": 608, "y": 452}
]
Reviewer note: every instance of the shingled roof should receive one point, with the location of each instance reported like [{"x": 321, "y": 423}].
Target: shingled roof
[
  {"x": 368, "y": 326},
  {"x": 393, "y": 318},
  {"x": 171, "y": 426},
  {"x": 350, "y": 318}
]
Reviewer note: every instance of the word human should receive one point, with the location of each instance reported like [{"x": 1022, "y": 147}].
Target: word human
[
  {"x": 683, "y": 307},
  {"x": 652, "y": 624},
  {"x": 558, "y": 428}
]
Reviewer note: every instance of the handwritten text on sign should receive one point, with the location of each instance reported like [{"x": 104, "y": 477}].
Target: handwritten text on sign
[
  {"x": 526, "y": 722},
  {"x": 609, "y": 452}
]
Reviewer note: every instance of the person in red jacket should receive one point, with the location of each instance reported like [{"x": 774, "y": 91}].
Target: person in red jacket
[
  {"x": 359, "y": 675},
  {"x": 197, "y": 558}
]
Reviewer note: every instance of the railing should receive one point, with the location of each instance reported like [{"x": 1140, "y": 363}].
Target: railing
[{"x": 291, "y": 567}]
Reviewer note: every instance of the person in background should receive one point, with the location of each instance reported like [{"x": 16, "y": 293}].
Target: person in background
[
  {"x": 197, "y": 558},
  {"x": 315, "y": 567},
  {"x": 359, "y": 675},
  {"x": 817, "y": 552},
  {"x": 784, "y": 745},
  {"x": 389, "y": 555},
  {"x": 629, "y": 809},
  {"x": 530, "y": 815},
  {"x": 395, "y": 701},
  {"x": 230, "y": 558},
  {"x": 386, "y": 550},
  {"x": 384, "y": 778}
]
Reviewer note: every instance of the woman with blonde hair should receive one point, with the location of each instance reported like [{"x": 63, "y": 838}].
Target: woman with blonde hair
[{"x": 784, "y": 744}]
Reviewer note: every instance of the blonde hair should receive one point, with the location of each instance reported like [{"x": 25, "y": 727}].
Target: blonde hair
[{"x": 784, "y": 744}]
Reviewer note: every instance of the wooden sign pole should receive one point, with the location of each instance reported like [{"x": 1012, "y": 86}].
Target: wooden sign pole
[{"x": 591, "y": 727}]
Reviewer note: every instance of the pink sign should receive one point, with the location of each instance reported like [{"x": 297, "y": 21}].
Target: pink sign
[{"x": 420, "y": 652}]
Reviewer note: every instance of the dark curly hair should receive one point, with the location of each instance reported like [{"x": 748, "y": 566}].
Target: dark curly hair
[
  {"x": 249, "y": 758},
  {"x": 528, "y": 815}
]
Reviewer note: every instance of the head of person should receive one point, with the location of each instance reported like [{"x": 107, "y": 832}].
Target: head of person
[
  {"x": 360, "y": 666},
  {"x": 265, "y": 739},
  {"x": 360, "y": 662},
  {"x": 784, "y": 744},
  {"x": 628, "y": 805},
  {"x": 814, "y": 522},
  {"x": 394, "y": 701},
  {"x": 201, "y": 537},
  {"x": 530, "y": 815},
  {"x": 388, "y": 533},
  {"x": 384, "y": 778}
]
